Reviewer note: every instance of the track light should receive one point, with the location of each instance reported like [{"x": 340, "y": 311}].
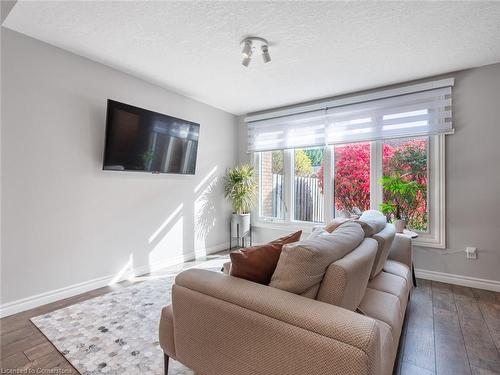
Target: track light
[
  {"x": 247, "y": 49},
  {"x": 246, "y": 61},
  {"x": 265, "y": 53},
  {"x": 248, "y": 46}
]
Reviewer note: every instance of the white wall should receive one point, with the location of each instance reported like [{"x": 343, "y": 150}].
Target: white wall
[
  {"x": 472, "y": 182},
  {"x": 472, "y": 179},
  {"x": 64, "y": 220}
]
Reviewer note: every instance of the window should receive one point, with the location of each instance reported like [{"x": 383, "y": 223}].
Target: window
[
  {"x": 376, "y": 144},
  {"x": 271, "y": 185},
  {"x": 308, "y": 191},
  {"x": 352, "y": 177},
  {"x": 326, "y": 181},
  {"x": 405, "y": 161}
]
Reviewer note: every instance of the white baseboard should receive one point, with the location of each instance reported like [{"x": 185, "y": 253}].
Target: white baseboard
[
  {"x": 449, "y": 278},
  {"x": 31, "y": 302}
]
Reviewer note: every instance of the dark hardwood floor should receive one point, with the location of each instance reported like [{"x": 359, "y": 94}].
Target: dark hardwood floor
[{"x": 448, "y": 330}]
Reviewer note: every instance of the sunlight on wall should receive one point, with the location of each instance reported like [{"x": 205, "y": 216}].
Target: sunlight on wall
[
  {"x": 126, "y": 272},
  {"x": 204, "y": 215},
  {"x": 165, "y": 223},
  {"x": 170, "y": 247},
  {"x": 170, "y": 243},
  {"x": 205, "y": 179}
]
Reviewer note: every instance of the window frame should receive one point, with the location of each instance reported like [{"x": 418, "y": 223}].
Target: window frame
[{"x": 434, "y": 237}]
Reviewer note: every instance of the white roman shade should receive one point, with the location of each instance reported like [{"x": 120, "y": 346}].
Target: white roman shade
[
  {"x": 418, "y": 110},
  {"x": 299, "y": 130},
  {"x": 422, "y": 113}
]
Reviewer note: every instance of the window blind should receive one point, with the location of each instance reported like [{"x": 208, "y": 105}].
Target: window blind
[
  {"x": 300, "y": 130},
  {"x": 410, "y": 115},
  {"x": 424, "y": 112}
]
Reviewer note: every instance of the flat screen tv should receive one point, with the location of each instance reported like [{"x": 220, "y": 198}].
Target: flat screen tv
[{"x": 147, "y": 141}]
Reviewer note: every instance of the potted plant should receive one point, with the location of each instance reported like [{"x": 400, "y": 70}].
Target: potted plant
[
  {"x": 240, "y": 188},
  {"x": 400, "y": 199}
]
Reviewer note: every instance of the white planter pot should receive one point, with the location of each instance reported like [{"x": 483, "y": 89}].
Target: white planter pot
[
  {"x": 400, "y": 226},
  {"x": 240, "y": 225}
]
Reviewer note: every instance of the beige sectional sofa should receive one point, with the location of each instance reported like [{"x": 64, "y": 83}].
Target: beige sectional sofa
[{"x": 222, "y": 325}]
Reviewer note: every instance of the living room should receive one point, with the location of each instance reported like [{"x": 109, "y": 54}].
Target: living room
[{"x": 250, "y": 187}]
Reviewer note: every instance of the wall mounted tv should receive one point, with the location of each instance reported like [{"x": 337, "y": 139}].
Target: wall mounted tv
[{"x": 146, "y": 141}]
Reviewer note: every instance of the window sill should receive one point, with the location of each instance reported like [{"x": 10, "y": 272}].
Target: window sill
[
  {"x": 422, "y": 241},
  {"x": 429, "y": 242},
  {"x": 282, "y": 226}
]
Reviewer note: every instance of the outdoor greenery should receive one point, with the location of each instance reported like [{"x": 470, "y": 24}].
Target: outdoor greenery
[
  {"x": 403, "y": 160},
  {"x": 303, "y": 164},
  {"x": 240, "y": 187},
  {"x": 315, "y": 155},
  {"x": 405, "y": 181},
  {"x": 400, "y": 196},
  {"x": 352, "y": 177}
]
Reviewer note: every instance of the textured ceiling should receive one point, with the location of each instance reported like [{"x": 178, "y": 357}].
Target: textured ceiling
[{"x": 319, "y": 49}]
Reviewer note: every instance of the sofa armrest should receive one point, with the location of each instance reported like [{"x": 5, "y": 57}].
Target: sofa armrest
[
  {"x": 401, "y": 250},
  {"x": 226, "y": 325}
]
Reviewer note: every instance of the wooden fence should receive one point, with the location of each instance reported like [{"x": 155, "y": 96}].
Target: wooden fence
[{"x": 309, "y": 200}]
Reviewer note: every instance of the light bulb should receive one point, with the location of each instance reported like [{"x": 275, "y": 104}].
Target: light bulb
[
  {"x": 246, "y": 61},
  {"x": 247, "y": 49},
  {"x": 265, "y": 54}
]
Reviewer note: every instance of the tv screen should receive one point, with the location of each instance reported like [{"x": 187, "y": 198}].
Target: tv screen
[{"x": 142, "y": 140}]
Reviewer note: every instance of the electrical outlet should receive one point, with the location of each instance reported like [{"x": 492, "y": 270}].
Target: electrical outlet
[{"x": 471, "y": 252}]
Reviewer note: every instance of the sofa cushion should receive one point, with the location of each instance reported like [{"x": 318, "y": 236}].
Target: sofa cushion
[
  {"x": 392, "y": 284},
  {"x": 399, "y": 269},
  {"x": 384, "y": 238},
  {"x": 318, "y": 231},
  {"x": 384, "y": 307},
  {"x": 372, "y": 221},
  {"x": 303, "y": 264},
  {"x": 335, "y": 223},
  {"x": 345, "y": 280},
  {"x": 257, "y": 263}
]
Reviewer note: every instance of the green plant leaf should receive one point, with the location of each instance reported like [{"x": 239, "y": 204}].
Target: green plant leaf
[{"x": 240, "y": 188}]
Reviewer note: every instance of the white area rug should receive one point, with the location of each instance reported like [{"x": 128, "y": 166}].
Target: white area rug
[{"x": 117, "y": 333}]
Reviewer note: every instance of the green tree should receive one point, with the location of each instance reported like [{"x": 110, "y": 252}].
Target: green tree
[
  {"x": 303, "y": 164},
  {"x": 316, "y": 156},
  {"x": 277, "y": 161},
  {"x": 401, "y": 196}
]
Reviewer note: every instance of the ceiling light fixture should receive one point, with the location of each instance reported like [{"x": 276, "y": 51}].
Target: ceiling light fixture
[
  {"x": 246, "y": 61},
  {"x": 248, "y": 46},
  {"x": 265, "y": 54}
]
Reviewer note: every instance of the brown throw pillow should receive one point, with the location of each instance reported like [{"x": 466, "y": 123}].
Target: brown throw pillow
[{"x": 257, "y": 263}]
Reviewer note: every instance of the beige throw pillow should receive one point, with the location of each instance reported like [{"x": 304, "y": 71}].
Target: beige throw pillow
[
  {"x": 335, "y": 223},
  {"x": 372, "y": 221},
  {"x": 303, "y": 264}
]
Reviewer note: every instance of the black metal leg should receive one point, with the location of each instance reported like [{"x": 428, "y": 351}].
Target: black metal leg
[
  {"x": 165, "y": 363},
  {"x": 413, "y": 275}
]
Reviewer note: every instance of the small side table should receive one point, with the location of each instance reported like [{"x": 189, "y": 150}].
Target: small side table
[
  {"x": 238, "y": 237},
  {"x": 412, "y": 235}
]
